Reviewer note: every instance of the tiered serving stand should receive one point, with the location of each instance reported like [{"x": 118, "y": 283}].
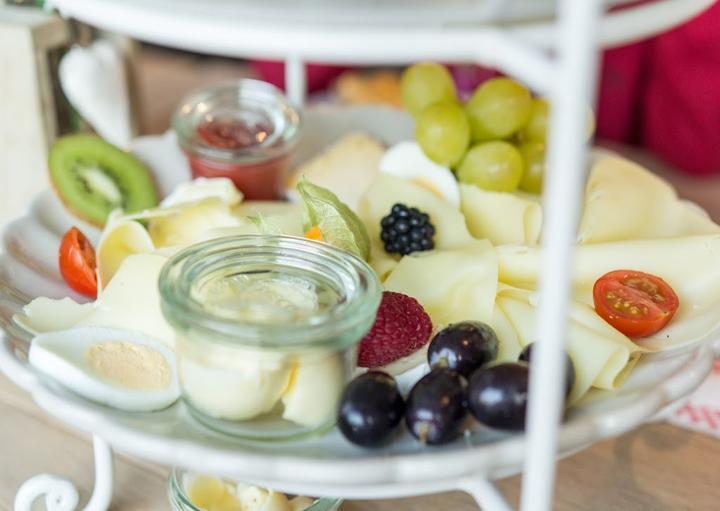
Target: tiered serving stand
[{"x": 553, "y": 47}]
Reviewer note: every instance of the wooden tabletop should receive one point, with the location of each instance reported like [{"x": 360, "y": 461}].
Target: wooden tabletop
[{"x": 654, "y": 468}]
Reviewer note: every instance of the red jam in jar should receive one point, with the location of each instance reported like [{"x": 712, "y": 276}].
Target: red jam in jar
[{"x": 243, "y": 131}]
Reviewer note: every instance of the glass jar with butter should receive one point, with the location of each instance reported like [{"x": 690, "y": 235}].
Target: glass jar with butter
[{"x": 267, "y": 329}]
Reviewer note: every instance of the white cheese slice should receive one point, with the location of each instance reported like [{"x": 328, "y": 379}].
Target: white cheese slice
[
  {"x": 120, "y": 239},
  {"x": 599, "y": 353},
  {"x": 691, "y": 265},
  {"x": 452, "y": 285},
  {"x": 132, "y": 299},
  {"x": 624, "y": 201},
  {"x": 47, "y": 315},
  {"x": 503, "y": 218}
]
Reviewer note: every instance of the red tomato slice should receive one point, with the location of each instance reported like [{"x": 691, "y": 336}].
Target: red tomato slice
[
  {"x": 77, "y": 263},
  {"x": 635, "y": 303}
]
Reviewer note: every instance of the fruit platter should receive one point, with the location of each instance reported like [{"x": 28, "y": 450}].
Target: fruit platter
[{"x": 370, "y": 337}]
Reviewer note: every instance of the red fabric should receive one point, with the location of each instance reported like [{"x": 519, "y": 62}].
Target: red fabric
[
  {"x": 319, "y": 76},
  {"x": 664, "y": 94}
]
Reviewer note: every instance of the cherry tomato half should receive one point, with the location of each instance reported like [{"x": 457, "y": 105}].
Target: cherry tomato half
[
  {"x": 635, "y": 303},
  {"x": 77, "y": 263}
]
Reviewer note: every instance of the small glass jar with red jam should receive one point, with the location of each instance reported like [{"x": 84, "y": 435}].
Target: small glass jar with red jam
[{"x": 244, "y": 131}]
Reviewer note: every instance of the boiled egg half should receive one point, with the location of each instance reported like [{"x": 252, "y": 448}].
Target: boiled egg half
[
  {"x": 407, "y": 160},
  {"x": 118, "y": 368}
]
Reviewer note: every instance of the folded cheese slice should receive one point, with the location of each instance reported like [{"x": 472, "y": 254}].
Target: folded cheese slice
[
  {"x": 625, "y": 201},
  {"x": 131, "y": 298},
  {"x": 602, "y": 356},
  {"x": 503, "y": 218},
  {"x": 452, "y": 285},
  {"x": 387, "y": 190},
  {"x": 691, "y": 265}
]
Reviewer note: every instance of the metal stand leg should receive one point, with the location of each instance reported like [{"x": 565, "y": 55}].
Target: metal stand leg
[
  {"x": 61, "y": 495},
  {"x": 295, "y": 80},
  {"x": 486, "y": 494}
]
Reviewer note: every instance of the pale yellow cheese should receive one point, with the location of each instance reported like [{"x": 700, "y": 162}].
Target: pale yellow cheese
[
  {"x": 47, "y": 315},
  {"x": 132, "y": 299},
  {"x": 120, "y": 239},
  {"x": 599, "y": 353},
  {"x": 452, "y": 285},
  {"x": 691, "y": 265},
  {"x": 347, "y": 168},
  {"x": 503, "y": 218},
  {"x": 624, "y": 201},
  {"x": 450, "y": 229}
]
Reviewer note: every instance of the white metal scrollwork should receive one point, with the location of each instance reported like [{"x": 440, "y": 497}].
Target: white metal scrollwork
[{"x": 61, "y": 495}]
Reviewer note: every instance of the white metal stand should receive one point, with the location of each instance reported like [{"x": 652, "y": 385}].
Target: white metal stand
[
  {"x": 566, "y": 72},
  {"x": 61, "y": 495}
]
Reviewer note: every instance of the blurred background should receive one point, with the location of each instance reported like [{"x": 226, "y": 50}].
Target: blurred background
[{"x": 657, "y": 100}]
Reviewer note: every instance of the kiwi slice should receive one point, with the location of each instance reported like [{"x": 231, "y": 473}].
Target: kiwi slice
[{"x": 93, "y": 177}]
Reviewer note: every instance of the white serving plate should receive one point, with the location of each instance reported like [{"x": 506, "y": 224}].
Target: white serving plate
[{"x": 325, "y": 465}]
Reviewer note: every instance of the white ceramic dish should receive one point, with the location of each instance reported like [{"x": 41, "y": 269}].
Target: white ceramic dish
[{"x": 321, "y": 466}]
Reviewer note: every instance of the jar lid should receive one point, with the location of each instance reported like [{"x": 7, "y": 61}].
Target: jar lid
[
  {"x": 247, "y": 121},
  {"x": 188, "y": 491}
]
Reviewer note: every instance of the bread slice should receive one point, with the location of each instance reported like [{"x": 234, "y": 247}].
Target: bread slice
[{"x": 347, "y": 167}]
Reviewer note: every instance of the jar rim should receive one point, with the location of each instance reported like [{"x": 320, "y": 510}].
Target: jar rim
[
  {"x": 180, "y": 501},
  {"x": 262, "y": 96},
  {"x": 356, "y": 308}
]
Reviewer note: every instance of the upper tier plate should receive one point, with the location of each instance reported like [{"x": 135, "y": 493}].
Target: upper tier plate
[{"x": 321, "y": 466}]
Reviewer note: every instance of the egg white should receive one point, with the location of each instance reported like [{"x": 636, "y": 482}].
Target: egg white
[
  {"x": 61, "y": 356},
  {"x": 407, "y": 160}
]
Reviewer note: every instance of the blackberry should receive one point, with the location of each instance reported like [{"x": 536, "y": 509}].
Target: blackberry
[{"x": 406, "y": 230}]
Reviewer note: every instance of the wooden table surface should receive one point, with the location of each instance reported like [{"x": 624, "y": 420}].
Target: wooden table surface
[{"x": 654, "y": 468}]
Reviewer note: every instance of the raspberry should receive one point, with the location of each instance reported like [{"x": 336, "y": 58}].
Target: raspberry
[{"x": 401, "y": 327}]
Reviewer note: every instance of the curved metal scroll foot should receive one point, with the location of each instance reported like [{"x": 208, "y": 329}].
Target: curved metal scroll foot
[
  {"x": 487, "y": 496},
  {"x": 61, "y": 495}
]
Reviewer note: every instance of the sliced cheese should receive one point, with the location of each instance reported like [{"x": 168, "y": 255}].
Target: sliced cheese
[
  {"x": 47, "y": 315},
  {"x": 691, "y": 265},
  {"x": 132, "y": 299},
  {"x": 386, "y": 191},
  {"x": 624, "y": 201},
  {"x": 347, "y": 168},
  {"x": 599, "y": 353},
  {"x": 503, "y": 218},
  {"x": 120, "y": 239},
  {"x": 452, "y": 285}
]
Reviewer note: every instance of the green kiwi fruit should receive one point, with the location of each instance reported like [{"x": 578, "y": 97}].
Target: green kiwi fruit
[{"x": 93, "y": 178}]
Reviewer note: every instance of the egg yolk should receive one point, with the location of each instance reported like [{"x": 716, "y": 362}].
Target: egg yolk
[{"x": 130, "y": 365}]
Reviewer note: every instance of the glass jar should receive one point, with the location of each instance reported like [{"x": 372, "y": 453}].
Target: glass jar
[
  {"x": 244, "y": 131},
  {"x": 180, "y": 490},
  {"x": 266, "y": 331}
]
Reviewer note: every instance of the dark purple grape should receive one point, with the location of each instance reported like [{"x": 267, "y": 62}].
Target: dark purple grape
[
  {"x": 464, "y": 347},
  {"x": 370, "y": 409},
  {"x": 526, "y": 356},
  {"x": 437, "y": 407},
  {"x": 497, "y": 395}
]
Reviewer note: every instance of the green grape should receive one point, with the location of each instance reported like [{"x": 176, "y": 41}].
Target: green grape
[
  {"x": 536, "y": 128},
  {"x": 424, "y": 84},
  {"x": 493, "y": 166},
  {"x": 533, "y": 154},
  {"x": 498, "y": 108},
  {"x": 443, "y": 132}
]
